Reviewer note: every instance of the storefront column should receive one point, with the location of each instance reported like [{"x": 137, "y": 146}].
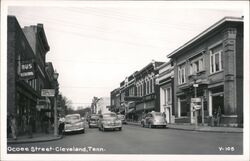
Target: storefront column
[{"x": 229, "y": 65}]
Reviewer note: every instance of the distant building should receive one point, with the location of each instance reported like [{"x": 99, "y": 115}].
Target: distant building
[
  {"x": 115, "y": 100},
  {"x": 212, "y": 65},
  {"x": 146, "y": 90},
  {"x": 102, "y": 105}
]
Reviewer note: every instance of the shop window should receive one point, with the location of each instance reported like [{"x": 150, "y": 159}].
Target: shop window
[
  {"x": 216, "y": 60},
  {"x": 181, "y": 74}
]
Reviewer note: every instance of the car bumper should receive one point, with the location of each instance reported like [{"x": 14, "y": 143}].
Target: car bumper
[
  {"x": 93, "y": 124},
  {"x": 111, "y": 126},
  {"x": 159, "y": 123},
  {"x": 73, "y": 129}
]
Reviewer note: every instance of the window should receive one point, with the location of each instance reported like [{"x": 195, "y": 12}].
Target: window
[
  {"x": 181, "y": 74},
  {"x": 153, "y": 87},
  {"x": 168, "y": 95},
  {"x": 216, "y": 61},
  {"x": 196, "y": 66}
]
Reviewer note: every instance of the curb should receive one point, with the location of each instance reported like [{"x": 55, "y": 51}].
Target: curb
[
  {"x": 198, "y": 130},
  {"x": 34, "y": 141}
]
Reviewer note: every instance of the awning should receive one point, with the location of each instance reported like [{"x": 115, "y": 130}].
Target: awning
[{"x": 130, "y": 110}]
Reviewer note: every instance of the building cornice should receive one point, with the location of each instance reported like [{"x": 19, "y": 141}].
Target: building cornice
[{"x": 204, "y": 33}]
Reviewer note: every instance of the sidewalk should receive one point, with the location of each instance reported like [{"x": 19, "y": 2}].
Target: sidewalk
[
  {"x": 189, "y": 127},
  {"x": 37, "y": 137}
]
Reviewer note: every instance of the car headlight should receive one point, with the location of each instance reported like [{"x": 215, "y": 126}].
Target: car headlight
[{"x": 118, "y": 121}]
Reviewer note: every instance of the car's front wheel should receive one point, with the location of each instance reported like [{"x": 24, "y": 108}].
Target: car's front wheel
[{"x": 120, "y": 128}]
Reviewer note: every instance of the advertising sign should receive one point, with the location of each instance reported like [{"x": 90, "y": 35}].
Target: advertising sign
[
  {"x": 48, "y": 92},
  {"x": 196, "y": 100},
  {"x": 27, "y": 70}
]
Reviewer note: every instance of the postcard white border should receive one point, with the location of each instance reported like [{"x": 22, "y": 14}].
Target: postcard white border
[{"x": 184, "y": 4}]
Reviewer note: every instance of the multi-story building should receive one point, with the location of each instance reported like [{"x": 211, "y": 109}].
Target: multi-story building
[
  {"x": 210, "y": 67},
  {"x": 115, "y": 100},
  {"x": 165, "y": 83},
  {"x": 146, "y": 89},
  {"x": 26, "y": 50}
]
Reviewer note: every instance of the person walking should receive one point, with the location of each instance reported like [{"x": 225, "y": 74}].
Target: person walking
[
  {"x": 219, "y": 116},
  {"x": 8, "y": 125},
  {"x": 164, "y": 115},
  {"x": 13, "y": 126},
  {"x": 30, "y": 125}
]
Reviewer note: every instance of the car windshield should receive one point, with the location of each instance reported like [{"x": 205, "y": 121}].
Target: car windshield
[
  {"x": 94, "y": 117},
  {"x": 120, "y": 116},
  {"x": 109, "y": 115},
  {"x": 157, "y": 114},
  {"x": 72, "y": 118}
]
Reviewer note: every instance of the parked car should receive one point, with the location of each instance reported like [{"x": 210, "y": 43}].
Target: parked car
[
  {"x": 93, "y": 120},
  {"x": 74, "y": 122},
  {"x": 109, "y": 121},
  {"x": 122, "y": 118},
  {"x": 154, "y": 119}
]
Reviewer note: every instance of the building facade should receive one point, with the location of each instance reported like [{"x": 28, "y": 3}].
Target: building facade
[
  {"x": 210, "y": 67},
  {"x": 25, "y": 73},
  {"x": 115, "y": 100},
  {"x": 146, "y": 90},
  {"x": 103, "y": 105},
  {"x": 165, "y": 85}
]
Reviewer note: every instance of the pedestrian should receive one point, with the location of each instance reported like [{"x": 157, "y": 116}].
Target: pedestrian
[
  {"x": 30, "y": 125},
  {"x": 219, "y": 116},
  {"x": 8, "y": 125},
  {"x": 215, "y": 119},
  {"x": 13, "y": 126},
  {"x": 24, "y": 123},
  {"x": 45, "y": 122},
  {"x": 61, "y": 126},
  {"x": 164, "y": 115}
]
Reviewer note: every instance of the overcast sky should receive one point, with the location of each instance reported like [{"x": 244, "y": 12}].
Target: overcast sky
[{"x": 94, "y": 47}]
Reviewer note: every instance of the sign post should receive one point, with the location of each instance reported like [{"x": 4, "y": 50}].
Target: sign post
[{"x": 196, "y": 106}]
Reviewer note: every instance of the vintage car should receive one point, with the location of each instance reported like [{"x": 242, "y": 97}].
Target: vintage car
[
  {"x": 109, "y": 121},
  {"x": 154, "y": 119},
  {"x": 122, "y": 117},
  {"x": 74, "y": 122},
  {"x": 93, "y": 120}
]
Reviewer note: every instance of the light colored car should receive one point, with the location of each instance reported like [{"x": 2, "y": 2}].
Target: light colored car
[
  {"x": 109, "y": 121},
  {"x": 93, "y": 120},
  {"x": 74, "y": 122},
  {"x": 153, "y": 119},
  {"x": 122, "y": 117}
]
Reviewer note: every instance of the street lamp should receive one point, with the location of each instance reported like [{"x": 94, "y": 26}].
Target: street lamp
[{"x": 55, "y": 75}]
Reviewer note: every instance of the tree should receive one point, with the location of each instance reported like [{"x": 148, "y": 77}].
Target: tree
[{"x": 94, "y": 104}]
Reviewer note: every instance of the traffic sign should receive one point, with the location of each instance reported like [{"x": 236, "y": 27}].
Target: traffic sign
[
  {"x": 196, "y": 85},
  {"x": 196, "y": 100},
  {"x": 48, "y": 92}
]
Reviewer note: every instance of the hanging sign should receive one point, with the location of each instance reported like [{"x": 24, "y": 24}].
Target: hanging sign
[
  {"x": 27, "y": 70},
  {"x": 48, "y": 92}
]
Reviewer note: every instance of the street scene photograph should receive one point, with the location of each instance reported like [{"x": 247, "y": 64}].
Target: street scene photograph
[{"x": 101, "y": 78}]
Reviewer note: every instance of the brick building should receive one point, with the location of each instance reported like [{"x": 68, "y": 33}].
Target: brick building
[
  {"x": 214, "y": 61},
  {"x": 26, "y": 48},
  {"x": 146, "y": 89},
  {"x": 115, "y": 100}
]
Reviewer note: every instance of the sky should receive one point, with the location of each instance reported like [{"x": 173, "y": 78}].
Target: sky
[{"x": 94, "y": 47}]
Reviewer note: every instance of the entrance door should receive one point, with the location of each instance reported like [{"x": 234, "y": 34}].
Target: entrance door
[{"x": 217, "y": 101}]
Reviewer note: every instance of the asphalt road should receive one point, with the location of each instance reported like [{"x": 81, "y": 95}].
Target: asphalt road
[{"x": 138, "y": 140}]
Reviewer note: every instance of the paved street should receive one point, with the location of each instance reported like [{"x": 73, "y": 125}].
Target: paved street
[{"x": 138, "y": 140}]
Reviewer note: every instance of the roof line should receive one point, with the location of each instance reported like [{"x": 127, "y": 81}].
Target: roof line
[{"x": 234, "y": 19}]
